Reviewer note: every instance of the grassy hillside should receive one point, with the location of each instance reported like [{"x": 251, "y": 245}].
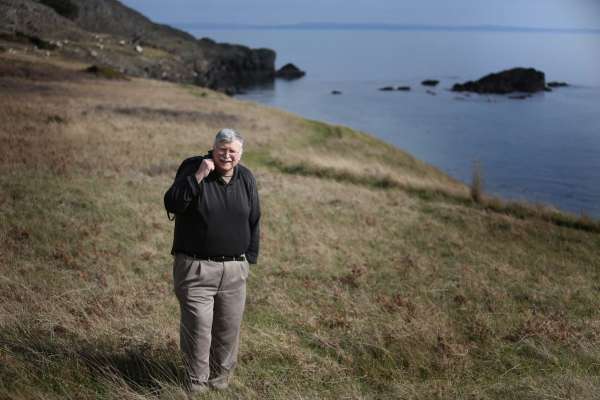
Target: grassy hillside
[{"x": 379, "y": 278}]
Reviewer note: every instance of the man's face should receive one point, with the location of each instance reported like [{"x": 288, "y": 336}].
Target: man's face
[{"x": 226, "y": 156}]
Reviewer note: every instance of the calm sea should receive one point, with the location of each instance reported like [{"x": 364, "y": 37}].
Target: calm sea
[{"x": 543, "y": 149}]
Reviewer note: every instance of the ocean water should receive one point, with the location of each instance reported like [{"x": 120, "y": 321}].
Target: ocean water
[{"x": 544, "y": 149}]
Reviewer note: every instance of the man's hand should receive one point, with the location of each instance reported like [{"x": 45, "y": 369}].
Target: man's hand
[{"x": 204, "y": 169}]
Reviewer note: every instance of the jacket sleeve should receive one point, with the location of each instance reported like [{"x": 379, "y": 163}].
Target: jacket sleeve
[
  {"x": 254, "y": 221},
  {"x": 184, "y": 189}
]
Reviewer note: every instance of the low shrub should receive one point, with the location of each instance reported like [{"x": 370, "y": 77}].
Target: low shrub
[
  {"x": 105, "y": 72},
  {"x": 477, "y": 184}
]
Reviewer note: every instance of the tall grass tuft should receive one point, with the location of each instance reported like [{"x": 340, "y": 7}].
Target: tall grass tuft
[{"x": 477, "y": 183}]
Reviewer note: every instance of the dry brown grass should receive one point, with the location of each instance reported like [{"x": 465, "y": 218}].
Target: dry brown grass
[{"x": 404, "y": 289}]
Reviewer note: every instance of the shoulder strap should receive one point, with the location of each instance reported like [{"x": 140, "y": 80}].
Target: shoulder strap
[{"x": 186, "y": 163}]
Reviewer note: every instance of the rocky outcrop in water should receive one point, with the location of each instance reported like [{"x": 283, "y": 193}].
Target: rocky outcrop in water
[
  {"x": 556, "y": 84},
  {"x": 526, "y": 80},
  {"x": 289, "y": 71},
  {"x": 430, "y": 82}
]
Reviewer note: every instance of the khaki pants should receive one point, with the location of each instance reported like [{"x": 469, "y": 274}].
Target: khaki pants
[{"x": 211, "y": 297}]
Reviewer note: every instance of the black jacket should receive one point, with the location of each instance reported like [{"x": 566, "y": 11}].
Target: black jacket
[{"x": 214, "y": 218}]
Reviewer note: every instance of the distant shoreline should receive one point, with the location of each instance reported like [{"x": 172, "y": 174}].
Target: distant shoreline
[{"x": 383, "y": 27}]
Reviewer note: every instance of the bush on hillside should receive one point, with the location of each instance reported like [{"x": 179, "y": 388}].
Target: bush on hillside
[
  {"x": 106, "y": 72},
  {"x": 66, "y": 8},
  {"x": 477, "y": 184}
]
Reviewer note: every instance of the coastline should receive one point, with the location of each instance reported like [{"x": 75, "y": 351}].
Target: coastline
[{"x": 547, "y": 155}]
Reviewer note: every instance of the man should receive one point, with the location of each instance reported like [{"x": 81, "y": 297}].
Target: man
[{"x": 217, "y": 213}]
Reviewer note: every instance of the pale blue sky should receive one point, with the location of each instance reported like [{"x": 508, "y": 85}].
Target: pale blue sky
[{"x": 522, "y": 13}]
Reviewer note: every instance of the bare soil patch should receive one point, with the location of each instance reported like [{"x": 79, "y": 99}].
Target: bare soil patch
[{"x": 148, "y": 113}]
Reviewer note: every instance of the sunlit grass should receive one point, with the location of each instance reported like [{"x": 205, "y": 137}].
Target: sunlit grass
[{"x": 379, "y": 276}]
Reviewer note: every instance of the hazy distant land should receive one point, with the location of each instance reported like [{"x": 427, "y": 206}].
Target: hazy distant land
[{"x": 382, "y": 27}]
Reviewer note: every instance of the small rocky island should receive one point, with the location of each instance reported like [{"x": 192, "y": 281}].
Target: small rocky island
[
  {"x": 289, "y": 71},
  {"x": 556, "y": 84},
  {"x": 526, "y": 80},
  {"x": 430, "y": 82}
]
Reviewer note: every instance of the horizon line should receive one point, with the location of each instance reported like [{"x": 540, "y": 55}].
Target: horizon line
[{"x": 379, "y": 26}]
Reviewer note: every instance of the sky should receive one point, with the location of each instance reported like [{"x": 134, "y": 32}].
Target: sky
[{"x": 561, "y": 14}]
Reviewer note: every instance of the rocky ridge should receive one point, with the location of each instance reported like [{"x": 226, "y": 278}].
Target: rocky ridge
[{"x": 108, "y": 33}]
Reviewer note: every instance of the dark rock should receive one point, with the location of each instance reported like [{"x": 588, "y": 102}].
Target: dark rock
[
  {"x": 233, "y": 65},
  {"x": 526, "y": 80},
  {"x": 555, "y": 84},
  {"x": 387, "y": 88},
  {"x": 547, "y": 89},
  {"x": 289, "y": 71},
  {"x": 430, "y": 82},
  {"x": 519, "y": 97},
  {"x": 403, "y": 88},
  {"x": 336, "y": 92}
]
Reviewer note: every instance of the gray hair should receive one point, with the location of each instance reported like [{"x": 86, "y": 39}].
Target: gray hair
[{"x": 228, "y": 135}]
